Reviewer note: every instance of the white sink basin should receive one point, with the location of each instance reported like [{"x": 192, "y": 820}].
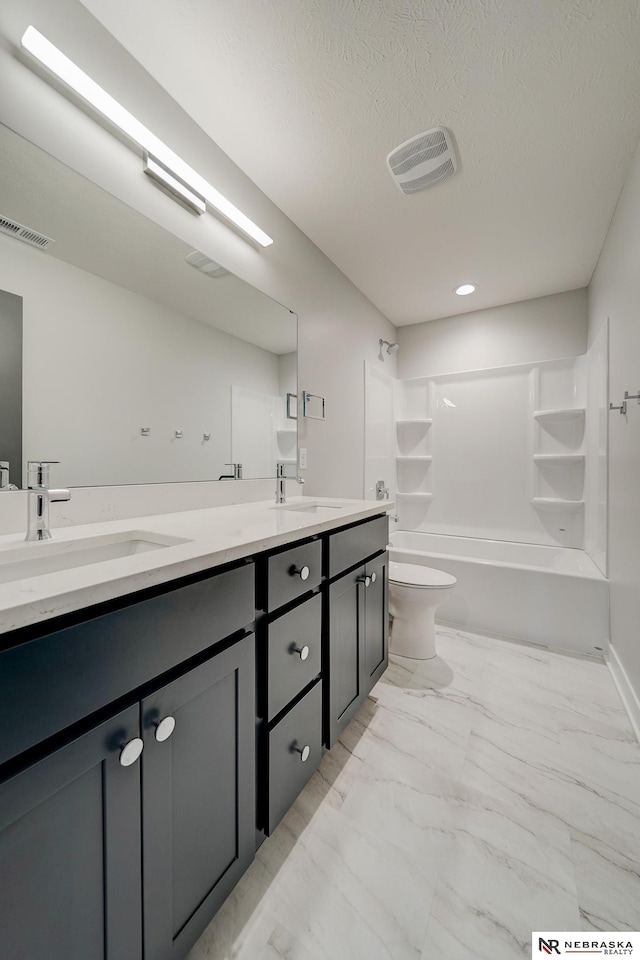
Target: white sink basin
[
  {"x": 39, "y": 559},
  {"x": 314, "y": 506}
]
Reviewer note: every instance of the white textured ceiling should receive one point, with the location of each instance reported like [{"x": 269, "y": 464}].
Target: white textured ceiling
[{"x": 309, "y": 96}]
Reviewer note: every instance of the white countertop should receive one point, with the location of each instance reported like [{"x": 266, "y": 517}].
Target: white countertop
[{"x": 213, "y": 536}]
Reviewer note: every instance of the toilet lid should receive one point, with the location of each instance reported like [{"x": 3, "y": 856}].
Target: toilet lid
[{"x": 414, "y": 575}]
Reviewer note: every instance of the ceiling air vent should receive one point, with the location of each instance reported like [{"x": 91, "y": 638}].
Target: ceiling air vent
[
  {"x": 206, "y": 265},
  {"x": 23, "y": 233},
  {"x": 423, "y": 161}
]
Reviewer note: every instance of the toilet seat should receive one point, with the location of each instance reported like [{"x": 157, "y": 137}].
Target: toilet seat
[{"x": 415, "y": 575}]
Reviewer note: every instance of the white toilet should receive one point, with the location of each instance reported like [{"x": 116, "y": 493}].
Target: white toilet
[{"x": 414, "y": 594}]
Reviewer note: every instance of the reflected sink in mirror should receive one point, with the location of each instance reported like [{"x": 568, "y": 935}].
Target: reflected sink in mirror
[
  {"x": 314, "y": 506},
  {"x": 37, "y": 560}
]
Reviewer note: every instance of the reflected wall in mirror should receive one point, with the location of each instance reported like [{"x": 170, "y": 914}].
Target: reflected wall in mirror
[{"x": 138, "y": 367}]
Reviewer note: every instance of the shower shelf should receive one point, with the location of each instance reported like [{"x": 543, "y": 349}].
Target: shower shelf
[
  {"x": 561, "y": 459},
  {"x": 414, "y": 496},
  {"x": 559, "y": 415},
  {"x": 555, "y": 503},
  {"x": 417, "y": 459},
  {"x": 425, "y": 421}
]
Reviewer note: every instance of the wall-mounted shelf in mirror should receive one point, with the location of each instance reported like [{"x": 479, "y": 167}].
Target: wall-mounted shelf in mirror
[{"x": 120, "y": 330}]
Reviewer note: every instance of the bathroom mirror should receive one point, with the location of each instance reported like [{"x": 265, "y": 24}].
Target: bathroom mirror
[{"x": 143, "y": 360}]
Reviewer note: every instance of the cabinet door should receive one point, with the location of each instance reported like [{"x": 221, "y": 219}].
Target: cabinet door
[
  {"x": 346, "y": 650},
  {"x": 377, "y": 622},
  {"x": 198, "y": 797},
  {"x": 70, "y": 852}
]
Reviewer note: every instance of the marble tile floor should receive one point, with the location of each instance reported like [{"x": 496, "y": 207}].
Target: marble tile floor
[{"x": 476, "y": 797}]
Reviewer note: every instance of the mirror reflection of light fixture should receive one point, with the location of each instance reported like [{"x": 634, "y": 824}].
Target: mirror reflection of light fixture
[
  {"x": 67, "y": 71},
  {"x": 391, "y": 347}
]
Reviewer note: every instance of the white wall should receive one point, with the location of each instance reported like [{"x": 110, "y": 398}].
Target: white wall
[
  {"x": 172, "y": 373},
  {"x": 546, "y": 328},
  {"x": 288, "y": 373},
  {"x": 597, "y": 429},
  {"x": 338, "y": 326},
  {"x": 615, "y": 293}
]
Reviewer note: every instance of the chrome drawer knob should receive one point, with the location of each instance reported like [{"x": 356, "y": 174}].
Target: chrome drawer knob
[
  {"x": 302, "y": 572},
  {"x": 365, "y": 580},
  {"x": 131, "y": 752},
  {"x": 164, "y": 729},
  {"x": 303, "y": 652},
  {"x": 303, "y": 751},
  {"x": 374, "y": 577}
]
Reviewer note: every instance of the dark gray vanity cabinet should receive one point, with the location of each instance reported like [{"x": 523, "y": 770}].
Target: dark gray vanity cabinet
[
  {"x": 290, "y": 738},
  {"x": 70, "y": 870},
  {"x": 224, "y": 689},
  {"x": 357, "y": 621},
  {"x": 113, "y": 854},
  {"x": 198, "y": 797}
]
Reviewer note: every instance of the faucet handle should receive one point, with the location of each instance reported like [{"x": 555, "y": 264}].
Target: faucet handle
[
  {"x": 38, "y": 472},
  {"x": 298, "y": 479}
]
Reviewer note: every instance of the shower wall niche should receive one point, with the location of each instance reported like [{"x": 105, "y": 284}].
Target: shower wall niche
[
  {"x": 413, "y": 401},
  {"x": 558, "y": 476}
]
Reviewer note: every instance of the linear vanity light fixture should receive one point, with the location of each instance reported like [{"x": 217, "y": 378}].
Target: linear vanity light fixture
[
  {"x": 158, "y": 172},
  {"x": 67, "y": 71}
]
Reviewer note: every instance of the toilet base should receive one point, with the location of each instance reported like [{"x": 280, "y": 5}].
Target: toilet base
[{"x": 414, "y": 637}]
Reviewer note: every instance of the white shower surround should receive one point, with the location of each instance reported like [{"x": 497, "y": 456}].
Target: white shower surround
[
  {"x": 495, "y": 453},
  {"x": 550, "y": 595}
]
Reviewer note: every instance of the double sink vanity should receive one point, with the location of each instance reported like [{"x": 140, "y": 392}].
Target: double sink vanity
[{"x": 167, "y": 688}]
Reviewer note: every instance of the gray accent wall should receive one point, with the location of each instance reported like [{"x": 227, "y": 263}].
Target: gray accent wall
[{"x": 11, "y": 383}]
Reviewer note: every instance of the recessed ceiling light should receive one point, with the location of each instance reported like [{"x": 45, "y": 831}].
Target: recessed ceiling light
[{"x": 465, "y": 289}]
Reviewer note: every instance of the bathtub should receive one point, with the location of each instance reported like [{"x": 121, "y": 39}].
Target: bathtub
[{"x": 555, "y": 596}]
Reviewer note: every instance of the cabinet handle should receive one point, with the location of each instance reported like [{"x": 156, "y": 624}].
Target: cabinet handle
[
  {"x": 164, "y": 728},
  {"x": 303, "y": 652},
  {"x": 131, "y": 752},
  {"x": 365, "y": 580},
  {"x": 302, "y": 572},
  {"x": 374, "y": 577},
  {"x": 303, "y": 751}
]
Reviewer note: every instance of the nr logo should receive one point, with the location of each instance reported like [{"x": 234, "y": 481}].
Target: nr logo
[{"x": 548, "y": 946}]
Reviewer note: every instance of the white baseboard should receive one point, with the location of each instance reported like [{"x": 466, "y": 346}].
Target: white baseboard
[{"x": 628, "y": 695}]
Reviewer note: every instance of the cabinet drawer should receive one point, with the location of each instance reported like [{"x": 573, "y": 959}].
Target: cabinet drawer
[
  {"x": 285, "y": 572},
  {"x": 350, "y": 547},
  {"x": 56, "y": 680},
  {"x": 288, "y": 772},
  {"x": 293, "y": 653}
]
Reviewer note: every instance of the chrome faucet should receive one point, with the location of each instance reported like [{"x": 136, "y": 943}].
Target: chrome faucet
[
  {"x": 40, "y": 496},
  {"x": 236, "y": 475},
  {"x": 280, "y": 483},
  {"x": 4, "y": 477}
]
